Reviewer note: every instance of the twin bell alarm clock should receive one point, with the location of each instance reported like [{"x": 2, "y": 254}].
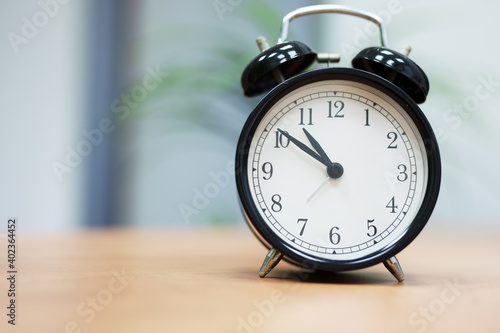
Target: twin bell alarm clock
[{"x": 337, "y": 168}]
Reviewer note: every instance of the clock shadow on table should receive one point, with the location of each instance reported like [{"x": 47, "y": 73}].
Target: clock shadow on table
[{"x": 359, "y": 277}]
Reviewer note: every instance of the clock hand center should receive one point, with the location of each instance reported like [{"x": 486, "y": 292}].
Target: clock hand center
[{"x": 335, "y": 170}]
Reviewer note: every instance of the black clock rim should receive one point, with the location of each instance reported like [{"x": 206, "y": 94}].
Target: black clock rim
[{"x": 269, "y": 238}]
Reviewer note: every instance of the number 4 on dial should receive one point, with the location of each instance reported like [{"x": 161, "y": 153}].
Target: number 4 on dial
[{"x": 392, "y": 205}]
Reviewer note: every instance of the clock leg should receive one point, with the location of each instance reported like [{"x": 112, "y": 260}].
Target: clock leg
[
  {"x": 392, "y": 264},
  {"x": 272, "y": 259}
]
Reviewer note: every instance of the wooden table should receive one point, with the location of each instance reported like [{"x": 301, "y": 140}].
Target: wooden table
[{"x": 206, "y": 281}]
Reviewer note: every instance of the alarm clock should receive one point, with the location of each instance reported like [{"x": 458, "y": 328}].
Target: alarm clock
[{"x": 337, "y": 168}]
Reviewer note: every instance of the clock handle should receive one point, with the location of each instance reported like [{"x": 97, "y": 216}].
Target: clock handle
[{"x": 338, "y": 9}]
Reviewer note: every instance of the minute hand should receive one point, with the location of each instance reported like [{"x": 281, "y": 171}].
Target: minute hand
[
  {"x": 333, "y": 169},
  {"x": 306, "y": 149},
  {"x": 317, "y": 147}
]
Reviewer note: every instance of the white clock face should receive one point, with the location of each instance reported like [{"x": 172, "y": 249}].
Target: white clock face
[{"x": 377, "y": 178}]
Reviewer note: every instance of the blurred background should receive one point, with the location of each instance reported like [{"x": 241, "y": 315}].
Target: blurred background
[{"x": 128, "y": 112}]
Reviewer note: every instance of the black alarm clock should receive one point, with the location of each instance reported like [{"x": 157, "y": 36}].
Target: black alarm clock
[{"x": 337, "y": 168}]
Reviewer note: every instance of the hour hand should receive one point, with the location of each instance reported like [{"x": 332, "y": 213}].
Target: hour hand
[{"x": 305, "y": 148}]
